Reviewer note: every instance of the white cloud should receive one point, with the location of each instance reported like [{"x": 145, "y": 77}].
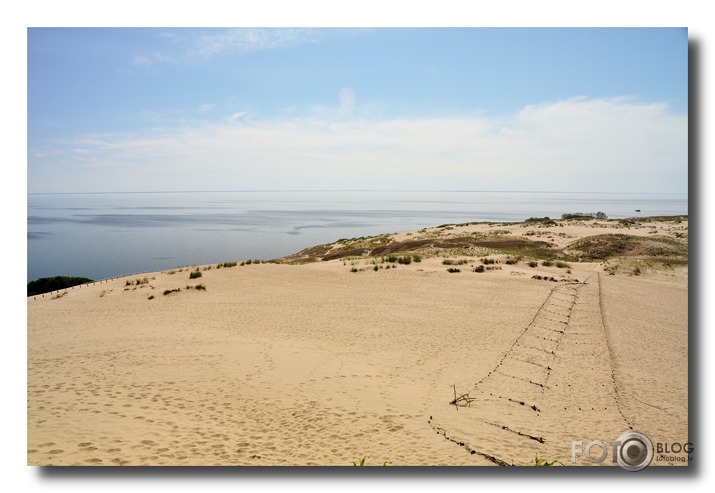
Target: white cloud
[
  {"x": 572, "y": 145},
  {"x": 205, "y": 107}
]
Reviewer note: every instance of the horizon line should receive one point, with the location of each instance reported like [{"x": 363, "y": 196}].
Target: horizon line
[{"x": 355, "y": 190}]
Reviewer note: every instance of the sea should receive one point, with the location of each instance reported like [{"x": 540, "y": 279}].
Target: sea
[{"x": 105, "y": 235}]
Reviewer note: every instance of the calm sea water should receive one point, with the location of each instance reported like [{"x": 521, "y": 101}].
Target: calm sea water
[{"x": 105, "y": 235}]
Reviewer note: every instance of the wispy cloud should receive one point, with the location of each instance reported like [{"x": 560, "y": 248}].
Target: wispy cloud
[
  {"x": 235, "y": 116},
  {"x": 148, "y": 61},
  {"x": 249, "y": 39},
  {"x": 574, "y": 144}
]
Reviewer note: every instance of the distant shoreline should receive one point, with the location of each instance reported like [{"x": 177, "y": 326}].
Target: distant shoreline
[{"x": 529, "y": 221}]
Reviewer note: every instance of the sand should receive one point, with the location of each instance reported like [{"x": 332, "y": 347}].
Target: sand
[{"x": 277, "y": 364}]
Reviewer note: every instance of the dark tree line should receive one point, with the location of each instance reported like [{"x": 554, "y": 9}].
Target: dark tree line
[{"x": 47, "y": 284}]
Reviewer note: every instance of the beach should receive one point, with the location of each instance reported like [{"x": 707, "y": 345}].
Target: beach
[{"x": 344, "y": 351}]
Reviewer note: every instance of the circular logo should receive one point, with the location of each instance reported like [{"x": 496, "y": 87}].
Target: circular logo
[{"x": 635, "y": 452}]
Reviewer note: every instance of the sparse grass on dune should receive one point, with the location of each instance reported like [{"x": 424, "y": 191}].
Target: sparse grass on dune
[
  {"x": 448, "y": 240},
  {"x": 601, "y": 247}
]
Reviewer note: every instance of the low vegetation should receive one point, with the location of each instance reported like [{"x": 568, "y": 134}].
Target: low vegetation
[
  {"x": 448, "y": 241},
  {"x": 448, "y": 261},
  {"x": 137, "y": 282},
  {"x": 540, "y": 461},
  {"x": 601, "y": 247},
  {"x": 544, "y": 278},
  {"x": 361, "y": 462}
]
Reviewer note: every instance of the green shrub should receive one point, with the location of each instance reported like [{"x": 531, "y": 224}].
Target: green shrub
[
  {"x": 362, "y": 462},
  {"x": 453, "y": 270},
  {"x": 562, "y": 265},
  {"x": 169, "y": 291},
  {"x": 404, "y": 260},
  {"x": 454, "y": 262},
  {"x": 479, "y": 268},
  {"x": 538, "y": 461},
  {"x": 488, "y": 261},
  {"x": 533, "y": 263},
  {"x": 547, "y": 263},
  {"x": 200, "y": 287},
  {"x": 416, "y": 258},
  {"x": 195, "y": 274}
]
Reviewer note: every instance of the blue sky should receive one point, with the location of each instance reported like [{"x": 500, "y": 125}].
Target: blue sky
[{"x": 131, "y": 109}]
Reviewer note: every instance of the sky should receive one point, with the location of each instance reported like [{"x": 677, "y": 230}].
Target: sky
[{"x": 527, "y": 109}]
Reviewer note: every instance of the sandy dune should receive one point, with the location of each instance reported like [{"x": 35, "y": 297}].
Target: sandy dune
[{"x": 277, "y": 364}]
